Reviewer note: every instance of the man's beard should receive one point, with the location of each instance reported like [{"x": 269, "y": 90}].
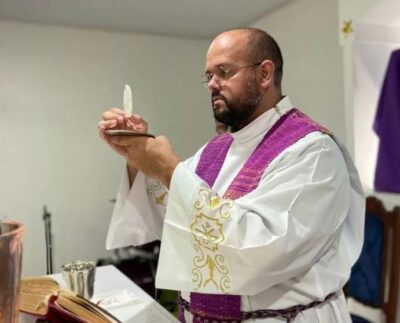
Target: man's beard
[{"x": 238, "y": 110}]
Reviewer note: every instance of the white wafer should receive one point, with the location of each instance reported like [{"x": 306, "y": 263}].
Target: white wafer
[{"x": 128, "y": 99}]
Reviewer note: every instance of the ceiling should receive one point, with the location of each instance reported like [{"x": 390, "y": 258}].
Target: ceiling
[{"x": 181, "y": 18}]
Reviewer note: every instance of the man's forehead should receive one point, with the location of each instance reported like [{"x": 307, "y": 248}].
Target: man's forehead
[
  {"x": 226, "y": 47},
  {"x": 229, "y": 40}
]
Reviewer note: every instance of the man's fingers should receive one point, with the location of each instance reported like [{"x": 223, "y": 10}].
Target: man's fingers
[
  {"x": 108, "y": 124},
  {"x": 138, "y": 119},
  {"x": 138, "y": 123},
  {"x": 114, "y": 113},
  {"x": 116, "y": 118},
  {"x": 118, "y": 111},
  {"x": 136, "y": 116}
]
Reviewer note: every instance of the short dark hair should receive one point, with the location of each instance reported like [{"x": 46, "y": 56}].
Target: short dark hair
[{"x": 262, "y": 46}]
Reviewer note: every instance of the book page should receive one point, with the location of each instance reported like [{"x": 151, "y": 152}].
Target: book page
[
  {"x": 35, "y": 292},
  {"x": 84, "y": 308}
]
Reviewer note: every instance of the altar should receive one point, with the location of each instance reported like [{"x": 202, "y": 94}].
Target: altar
[{"x": 122, "y": 298}]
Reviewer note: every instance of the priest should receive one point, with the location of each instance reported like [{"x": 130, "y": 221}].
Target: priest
[{"x": 264, "y": 222}]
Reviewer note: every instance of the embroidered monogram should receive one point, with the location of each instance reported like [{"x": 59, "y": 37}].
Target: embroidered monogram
[{"x": 208, "y": 233}]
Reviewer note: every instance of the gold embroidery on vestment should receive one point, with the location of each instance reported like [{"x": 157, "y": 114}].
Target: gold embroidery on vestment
[
  {"x": 207, "y": 230},
  {"x": 159, "y": 192}
]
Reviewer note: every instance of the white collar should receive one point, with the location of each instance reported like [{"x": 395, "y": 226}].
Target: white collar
[{"x": 263, "y": 123}]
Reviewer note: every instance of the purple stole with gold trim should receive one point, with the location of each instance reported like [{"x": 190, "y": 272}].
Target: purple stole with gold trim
[{"x": 291, "y": 127}]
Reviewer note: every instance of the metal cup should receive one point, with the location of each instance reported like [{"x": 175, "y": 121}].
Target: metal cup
[
  {"x": 11, "y": 242},
  {"x": 79, "y": 276}
]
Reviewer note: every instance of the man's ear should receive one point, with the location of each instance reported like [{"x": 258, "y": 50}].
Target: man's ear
[{"x": 267, "y": 68}]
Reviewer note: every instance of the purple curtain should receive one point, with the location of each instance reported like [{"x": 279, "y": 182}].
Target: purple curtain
[{"x": 387, "y": 127}]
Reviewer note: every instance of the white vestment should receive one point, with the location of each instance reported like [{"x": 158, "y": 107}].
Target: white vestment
[{"x": 290, "y": 241}]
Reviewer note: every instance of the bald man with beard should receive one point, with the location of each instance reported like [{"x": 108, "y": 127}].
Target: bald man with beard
[{"x": 264, "y": 222}]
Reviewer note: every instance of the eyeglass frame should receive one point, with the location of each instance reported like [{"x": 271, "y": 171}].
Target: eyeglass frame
[{"x": 226, "y": 73}]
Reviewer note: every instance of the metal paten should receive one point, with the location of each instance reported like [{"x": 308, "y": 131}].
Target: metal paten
[{"x": 11, "y": 242}]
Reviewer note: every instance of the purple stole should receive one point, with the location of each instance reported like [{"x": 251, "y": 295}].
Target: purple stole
[{"x": 291, "y": 127}]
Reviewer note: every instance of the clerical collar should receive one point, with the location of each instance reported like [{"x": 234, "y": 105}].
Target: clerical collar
[{"x": 259, "y": 126}]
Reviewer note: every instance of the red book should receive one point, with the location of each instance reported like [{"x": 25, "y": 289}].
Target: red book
[{"x": 43, "y": 297}]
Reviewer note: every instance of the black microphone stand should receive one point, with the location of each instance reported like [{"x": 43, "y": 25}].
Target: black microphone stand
[{"x": 49, "y": 244}]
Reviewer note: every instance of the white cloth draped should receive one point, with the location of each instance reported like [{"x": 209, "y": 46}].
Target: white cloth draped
[{"x": 291, "y": 241}]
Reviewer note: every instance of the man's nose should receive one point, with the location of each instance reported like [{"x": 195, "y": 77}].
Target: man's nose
[{"x": 214, "y": 84}]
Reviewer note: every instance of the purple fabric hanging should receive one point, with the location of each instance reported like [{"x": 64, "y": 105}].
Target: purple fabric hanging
[{"x": 387, "y": 127}]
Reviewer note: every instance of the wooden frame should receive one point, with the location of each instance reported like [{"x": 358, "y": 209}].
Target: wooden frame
[{"x": 391, "y": 257}]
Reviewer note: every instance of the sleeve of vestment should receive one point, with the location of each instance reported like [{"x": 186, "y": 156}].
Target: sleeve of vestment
[{"x": 138, "y": 213}]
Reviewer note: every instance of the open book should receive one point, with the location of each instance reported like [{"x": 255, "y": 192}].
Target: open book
[{"x": 43, "y": 297}]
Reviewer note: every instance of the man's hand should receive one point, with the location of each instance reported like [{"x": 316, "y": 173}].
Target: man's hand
[
  {"x": 118, "y": 119},
  {"x": 152, "y": 156}
]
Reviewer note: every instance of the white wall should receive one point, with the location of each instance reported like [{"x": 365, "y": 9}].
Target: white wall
[
  {"x": 54, "y": 85},
  {"x": 376, "y": 34},
  {"x": 365, "y": 53},
  {"x": 307, "y": 32}
]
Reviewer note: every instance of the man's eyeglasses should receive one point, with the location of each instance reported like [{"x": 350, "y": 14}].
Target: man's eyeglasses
[{"x": 223, "y": 73}]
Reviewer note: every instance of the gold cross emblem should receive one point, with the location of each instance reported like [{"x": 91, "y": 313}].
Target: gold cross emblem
[{"x": 347, "y": 27}]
